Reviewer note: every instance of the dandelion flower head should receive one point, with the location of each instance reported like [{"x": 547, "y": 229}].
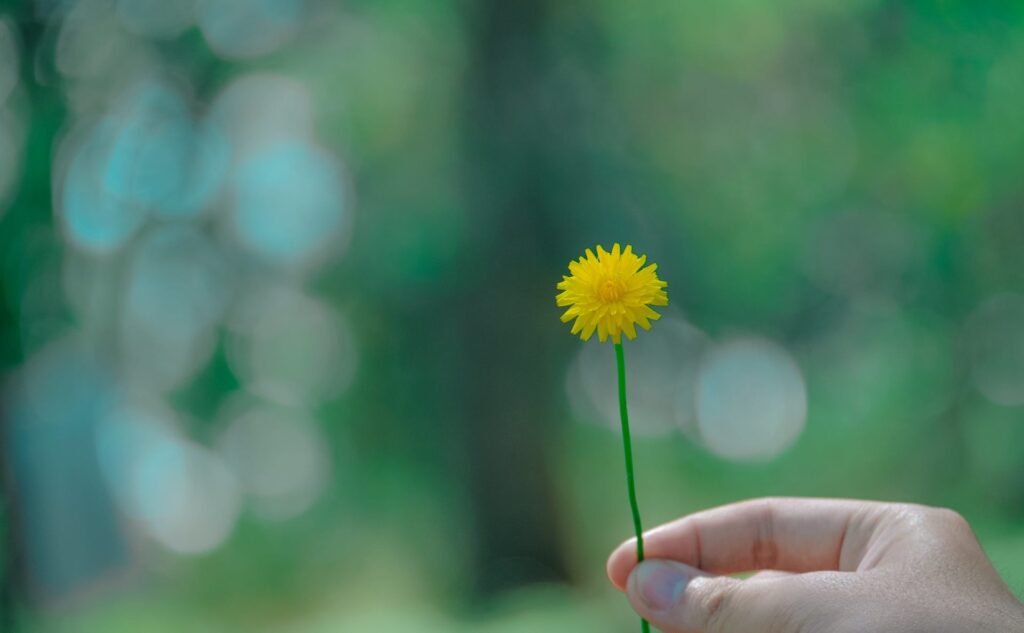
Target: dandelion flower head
[{"x": 611, "y": 293}]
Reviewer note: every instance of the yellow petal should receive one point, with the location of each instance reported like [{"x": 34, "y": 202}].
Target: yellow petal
[{"x": 610, "y": 293}]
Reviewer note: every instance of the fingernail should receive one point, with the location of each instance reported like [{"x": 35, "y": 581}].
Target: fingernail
[{"x": 660, "y": 584}]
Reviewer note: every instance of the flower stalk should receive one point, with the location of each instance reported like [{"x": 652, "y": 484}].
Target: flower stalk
[
  {"x": 627, "y": 445},
  {"x": 611, "y": 293}
]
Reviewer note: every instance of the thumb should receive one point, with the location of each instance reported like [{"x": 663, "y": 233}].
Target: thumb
[{"x": 677, "y": 598}]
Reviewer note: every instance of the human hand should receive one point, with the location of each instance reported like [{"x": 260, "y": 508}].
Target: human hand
[{"x": 830, "y": 566}]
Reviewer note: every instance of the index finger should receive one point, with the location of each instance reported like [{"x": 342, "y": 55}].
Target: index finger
[{"x": 785, "y": 534}]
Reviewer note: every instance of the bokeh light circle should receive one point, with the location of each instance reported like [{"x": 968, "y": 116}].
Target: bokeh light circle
[
  {"x": 151, "y": 145},
  {"x": 145, "y": 156},
  {"x": 289, "y": 204},
  {"x": 241, "y": 29},
  {"x": 91, "y": 44},
  {"x": 160, "y": 159},
  {"x": 64, "y": 382},
  {"x": 191, "y": 496},
  {"x": 259, "y": 108},
  {"x": 127, "y": 432},
  {"x": 182, "y": 495},
  {"x": 279, "y": 456},
  {"x": 289, "y": 347},
  {"x": 751, "y": 400},
  {"x": 661, "y": 366},
  {"x": 177, "y": 291},
  {"x": 91, "y": 218}
]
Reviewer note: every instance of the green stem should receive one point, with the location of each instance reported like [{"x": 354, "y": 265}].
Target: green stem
[{"x": 627, "y": 445}]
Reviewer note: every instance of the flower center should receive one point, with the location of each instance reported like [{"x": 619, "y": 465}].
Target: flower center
[{"x": 611, "y": 290}]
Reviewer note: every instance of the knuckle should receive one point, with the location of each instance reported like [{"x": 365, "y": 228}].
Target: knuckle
[
  {"x": 913, "y": 514},
  {"x": 942, "y": 522},
  {"x": 953, "y": 527},
  {"x": 764, "y": 549},
  {"x": 949, "y": 517},
  {"x": 768, "y": 504},
  {"x": 932, "y": 514}
]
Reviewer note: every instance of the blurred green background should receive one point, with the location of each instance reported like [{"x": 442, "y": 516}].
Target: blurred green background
[{"x": 277, "y": 317}]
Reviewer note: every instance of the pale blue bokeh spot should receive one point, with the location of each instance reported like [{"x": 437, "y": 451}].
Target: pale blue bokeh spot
[
  {"x": 249, "y": 28},
  {"x": 93, "y": 219},
  {"x": 289, "y": 204},
  {"x": 178, "y": 288}
]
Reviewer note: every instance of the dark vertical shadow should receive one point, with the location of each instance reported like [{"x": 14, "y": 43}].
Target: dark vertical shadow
[
  {"x": 10, "y": 574},
  {"x": 507, "y": 315},
  {"x": 31, "y": 206},
  {"x": 10, "y": 543}
]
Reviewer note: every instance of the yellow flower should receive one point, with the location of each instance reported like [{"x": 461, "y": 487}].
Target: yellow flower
[{"x": 611, "y": 293}]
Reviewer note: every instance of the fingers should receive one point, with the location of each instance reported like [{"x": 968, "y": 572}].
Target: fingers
[
  {"x": 795, "y": 535},
  {"x": 680, "y": 599}
]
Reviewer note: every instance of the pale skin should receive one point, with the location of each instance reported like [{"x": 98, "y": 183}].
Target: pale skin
[{"x": 824, "y": 566}]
